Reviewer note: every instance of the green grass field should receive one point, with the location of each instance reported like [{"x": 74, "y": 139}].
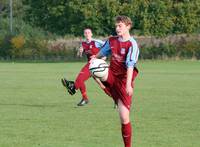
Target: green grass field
[{"x": 36, "y": 111}]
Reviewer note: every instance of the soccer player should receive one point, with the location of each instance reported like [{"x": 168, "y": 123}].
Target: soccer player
[
  {"x": 90, "y": 47},
  {"x": 119, "y": 81}
]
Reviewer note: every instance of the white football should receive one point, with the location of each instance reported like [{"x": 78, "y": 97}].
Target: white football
[{"x": 98, "y": 68}]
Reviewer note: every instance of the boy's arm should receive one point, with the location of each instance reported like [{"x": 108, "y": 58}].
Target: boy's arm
[
  {"x": 99, "y": 43},
  {"x": 131, "y": 60},
  {"x": 129, "y": 88},
  {"x": 104, "y": 51},
  {"x": 80, "y": 50},
  {"x": 104, "y": 58}
]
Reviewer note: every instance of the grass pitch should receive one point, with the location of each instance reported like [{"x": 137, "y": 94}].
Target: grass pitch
[{"x": 36, "y": 111}]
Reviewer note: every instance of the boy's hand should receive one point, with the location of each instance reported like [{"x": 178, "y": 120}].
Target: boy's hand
[
  {"x": 129, "y": 90},
  {"x": 80, "y": 52},
  {"x": 92, "y": 58},
  {"x": 81, "y": 49}
]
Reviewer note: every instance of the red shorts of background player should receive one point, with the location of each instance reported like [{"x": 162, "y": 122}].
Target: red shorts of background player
[{"x": 117, "y": 87}]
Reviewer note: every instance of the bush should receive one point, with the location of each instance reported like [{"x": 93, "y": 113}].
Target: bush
[
  {"x": 190, "y": 49},
  {"x": 29, "y": 42},
  {"x": 25, "y": 41},
  {"x": 183, "y": 49},
  {"x": 5, "y": 45},
  {"x": 18, "y": 42}
]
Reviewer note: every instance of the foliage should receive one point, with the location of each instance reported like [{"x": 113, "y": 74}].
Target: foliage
[
  {"x": 181, "y": 49},
  {"x": 18, "y": 42},
  {"x": 151, "y": 17},
  {"x": 41, "y": 22}
]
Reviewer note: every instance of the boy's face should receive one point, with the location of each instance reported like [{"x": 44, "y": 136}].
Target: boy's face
[
  {"x": 121, "y": 28},
  {"x": 88, "y": 34}
]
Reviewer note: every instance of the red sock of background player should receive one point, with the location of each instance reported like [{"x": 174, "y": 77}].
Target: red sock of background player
[
  {"x": 126, "y": 134},
  {"x": 83, "y": 92}
]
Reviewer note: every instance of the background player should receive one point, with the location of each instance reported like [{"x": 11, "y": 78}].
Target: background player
[
  {"x": 119, "y": 81},
  {"x": 90, "y": 47}
]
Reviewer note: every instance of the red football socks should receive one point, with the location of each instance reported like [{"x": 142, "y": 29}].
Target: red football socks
[
  {"x": 126, "y": 134},
  {"x": 84, "y": 96}
]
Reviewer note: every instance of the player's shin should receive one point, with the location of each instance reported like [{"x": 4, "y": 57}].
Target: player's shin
[
  {"x": 125, "y": 124},
  {"x": 126, "y": 134}
]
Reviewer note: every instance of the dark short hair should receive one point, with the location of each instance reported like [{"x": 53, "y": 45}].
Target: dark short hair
[{"x": 88, "y": 29}]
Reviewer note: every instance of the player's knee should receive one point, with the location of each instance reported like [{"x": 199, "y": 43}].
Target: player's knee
[
  {"x": 123, "y": 112},
  {"x": 124, "y": 119},
  {"x": 77, "y": 84}
]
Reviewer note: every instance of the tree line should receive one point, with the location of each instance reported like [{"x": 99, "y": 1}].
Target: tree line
[
  {"x": 150, "y": 17},
  {"x": 37, "y": 22}
]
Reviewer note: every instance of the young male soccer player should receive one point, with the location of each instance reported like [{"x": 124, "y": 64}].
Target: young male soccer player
[
  {"x": 119, "y": 81},
  {"x": 89, "y": 47}
]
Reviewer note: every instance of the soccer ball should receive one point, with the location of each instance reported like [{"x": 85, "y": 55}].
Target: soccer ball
[{"x": 98, "y": 68}]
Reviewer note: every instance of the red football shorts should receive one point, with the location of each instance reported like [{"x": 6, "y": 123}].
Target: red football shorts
[{"x": 117, "y": 87}]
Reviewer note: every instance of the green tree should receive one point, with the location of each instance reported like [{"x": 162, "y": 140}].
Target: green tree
[
  {"x": 186, "y": 16},
  {"x": 150, "y": 17}
]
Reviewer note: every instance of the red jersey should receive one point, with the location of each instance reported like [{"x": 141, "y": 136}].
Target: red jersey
[
  {"x": 91, "y": 48},
  {"x": 123, "y": 54}
]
